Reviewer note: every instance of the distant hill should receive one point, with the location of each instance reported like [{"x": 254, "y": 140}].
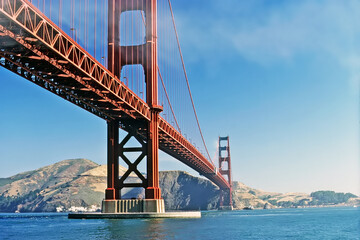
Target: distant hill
[
  {"x": 80, "y": 184},
  {"x": 46, "y": 188}
]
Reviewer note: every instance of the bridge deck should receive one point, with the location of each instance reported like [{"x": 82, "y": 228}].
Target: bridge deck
[{"x": 32, "y": 46}]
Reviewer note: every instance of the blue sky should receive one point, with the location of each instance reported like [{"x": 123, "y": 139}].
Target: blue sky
[{"x": 280, "y": 77}]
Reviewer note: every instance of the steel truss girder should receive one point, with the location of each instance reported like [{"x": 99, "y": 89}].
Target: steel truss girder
[
  {"x": 12, "y": 63},
  {"x": 30, "y": 22}
]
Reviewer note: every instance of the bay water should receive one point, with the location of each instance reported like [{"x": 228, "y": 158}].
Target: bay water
[{"x": 305, "y": 223}]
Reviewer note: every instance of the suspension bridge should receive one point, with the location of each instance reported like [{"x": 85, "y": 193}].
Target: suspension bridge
[{"x": 120, "y": 60}]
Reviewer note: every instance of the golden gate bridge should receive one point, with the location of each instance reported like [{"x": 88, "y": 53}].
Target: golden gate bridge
[{"x": 120, "y": 60}]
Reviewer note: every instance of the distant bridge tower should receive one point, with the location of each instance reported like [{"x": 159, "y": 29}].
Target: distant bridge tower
[{"x": 225, "y": 170}]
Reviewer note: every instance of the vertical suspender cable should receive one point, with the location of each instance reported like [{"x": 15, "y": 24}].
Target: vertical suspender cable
[
  {"x": 137, "y": 53},
  {"x": 95, "y": 30},
  {"x": 60, "y": 9},
  {"x": 119, "y": 46},
  {"x": 79, "y": 32},
  {"x": 104, "y": 36},
  {"x": 131, "y": 43},
  {"x": 85, "y": 24},
  {"x": 72, "y": 27},
  {"x": 59, "y": 14},
  {"x": 101, "y": 31},
  {"x": 86, "y": 13},
  {"x": 124, "y": 36},
  {"x": 139, "y": 79}
]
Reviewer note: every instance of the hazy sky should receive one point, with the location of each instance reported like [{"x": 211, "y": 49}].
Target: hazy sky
[{"x": 280, "y": 77}]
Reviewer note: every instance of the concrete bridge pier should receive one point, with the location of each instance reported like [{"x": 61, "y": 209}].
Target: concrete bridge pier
[{"x": 133, "y": 206}]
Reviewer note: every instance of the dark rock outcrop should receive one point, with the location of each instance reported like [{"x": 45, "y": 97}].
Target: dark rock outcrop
[{"x": 181, "y": 190}]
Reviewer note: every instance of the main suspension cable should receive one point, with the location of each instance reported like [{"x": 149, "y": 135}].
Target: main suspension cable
[{"x": 187, "y": 82}]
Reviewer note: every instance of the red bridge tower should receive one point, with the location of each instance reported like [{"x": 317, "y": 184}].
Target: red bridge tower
[
  {"x": 145, "y": 132},
  {"x": 225, "y": 170}
]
